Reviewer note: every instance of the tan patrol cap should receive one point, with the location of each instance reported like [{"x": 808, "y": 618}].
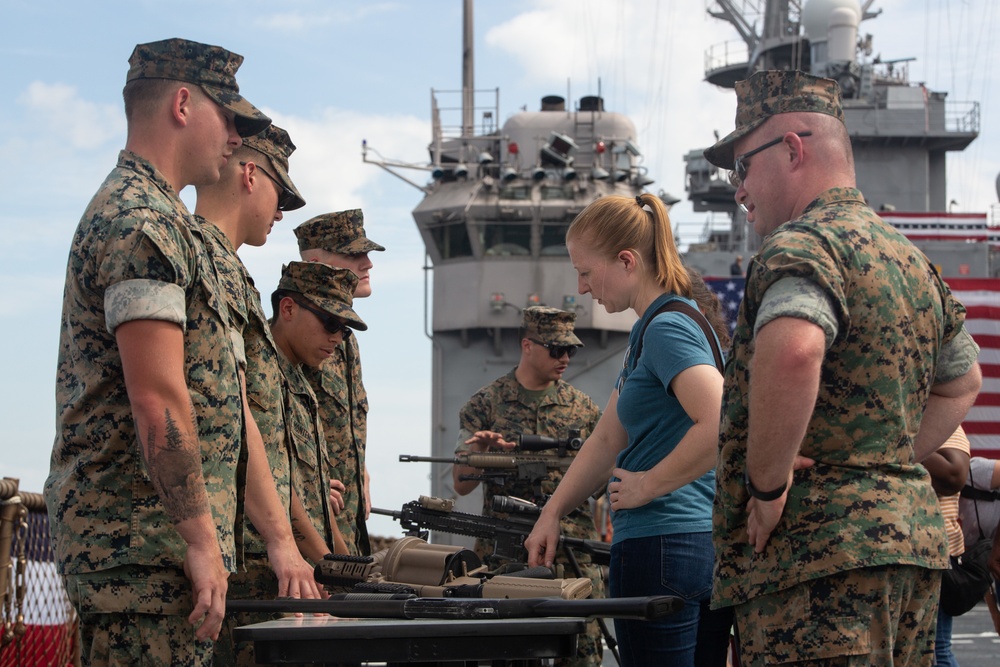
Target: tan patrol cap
[
  {"x": 769, "y": 93},
  {"x": 550, "y": 325},
  {"x": 212, "y": 68},
  {"x": 329, "y": 289}
]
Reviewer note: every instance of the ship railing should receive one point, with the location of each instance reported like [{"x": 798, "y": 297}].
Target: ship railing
[
  {"x": 449, "y": 118},
  {"x": 726, "y": 55},
  {"x": 895, "y": 72},
  {"x": 38, "y": 625},
  {"x": 713, "y": 233},
  {"x": 961, "y": 116}
]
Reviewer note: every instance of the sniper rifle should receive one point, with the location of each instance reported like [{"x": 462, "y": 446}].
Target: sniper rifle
[{"x": 507, "y": 534}]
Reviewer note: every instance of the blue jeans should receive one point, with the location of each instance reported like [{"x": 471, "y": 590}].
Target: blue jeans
[
  {"x": 679, "y": 565},
  {"x": 943, "y": 657}
]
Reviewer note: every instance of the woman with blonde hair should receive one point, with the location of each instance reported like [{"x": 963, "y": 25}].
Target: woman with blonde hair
[{"x": 657, "y": 440}]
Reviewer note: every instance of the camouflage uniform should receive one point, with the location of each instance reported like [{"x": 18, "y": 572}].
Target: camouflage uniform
[
  {"x": 310, "y": 457},
  {"x": 264, "y": 379},
  {"x": 137, "y": 255},
  {"x": 338, "y": 384},
  {"x": 871, "y": 396},
  {"x": 869, "y": 504},
  {"x": 851, "y": 567},
  {"x": 344, "y": 411},
  {"x": 507, "y": 408},
  {"x": 332, "y": 290}
]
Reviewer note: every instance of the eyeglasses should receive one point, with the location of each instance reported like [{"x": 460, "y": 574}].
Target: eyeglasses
[
  {"x": 330, "y": 323},
  {"x": 556, "y": 351},
  {"x": 285, "y": 194},
  {"x": 741, "y": 163}
]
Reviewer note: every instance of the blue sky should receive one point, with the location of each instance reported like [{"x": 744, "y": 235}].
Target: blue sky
[{"x": 333, "y": 73}]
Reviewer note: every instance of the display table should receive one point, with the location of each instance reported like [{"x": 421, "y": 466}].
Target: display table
[{"x": 319, "y": 639}]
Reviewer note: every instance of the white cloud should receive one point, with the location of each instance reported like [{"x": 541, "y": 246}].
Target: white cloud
[
  {"x": 69, "y": 118},
  {"x": 313, "y": 18}
]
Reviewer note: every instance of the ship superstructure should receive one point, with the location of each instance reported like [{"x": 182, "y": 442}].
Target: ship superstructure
[
  {"x": 901, "y": 131},
  {"x": 494, "y": 215}
]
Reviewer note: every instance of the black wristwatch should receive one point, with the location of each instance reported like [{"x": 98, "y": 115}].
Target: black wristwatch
[{"x": 762, "y": 495}]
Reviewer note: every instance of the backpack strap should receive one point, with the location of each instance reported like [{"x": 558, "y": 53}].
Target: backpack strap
[
  {"x": 980, "y": 494},
  {"x": 694, "y": 314}
]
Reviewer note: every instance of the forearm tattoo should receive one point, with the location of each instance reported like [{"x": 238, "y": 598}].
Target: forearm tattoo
[
  {"x": 174, "y": 467},
  {"x": 297, "y": 532}
]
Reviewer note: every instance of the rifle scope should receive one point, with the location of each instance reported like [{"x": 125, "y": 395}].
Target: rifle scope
[{"x": 536, "y": 443}]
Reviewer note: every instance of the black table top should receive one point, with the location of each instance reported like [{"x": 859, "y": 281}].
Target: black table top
[{"x": 329, "y": 639}]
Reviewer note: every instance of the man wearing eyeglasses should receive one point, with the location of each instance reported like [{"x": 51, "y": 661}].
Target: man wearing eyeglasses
[
  {"x": 533, "y": 399},
  {"x": 850, "y": 363},
  {"x": 312, "y": 317},
  {"x": 339, "y": 240}
]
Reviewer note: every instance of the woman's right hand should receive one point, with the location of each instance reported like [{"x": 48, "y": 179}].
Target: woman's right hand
[{"x": 543, "y": 541}]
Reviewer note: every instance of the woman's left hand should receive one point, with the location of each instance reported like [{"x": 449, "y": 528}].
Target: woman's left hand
[{"x": 629, "y": 491}]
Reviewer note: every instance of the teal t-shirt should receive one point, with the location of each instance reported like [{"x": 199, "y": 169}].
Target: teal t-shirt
[{"x": 655, "y": 421}]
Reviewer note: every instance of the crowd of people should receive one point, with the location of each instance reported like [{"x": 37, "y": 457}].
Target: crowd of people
[{"x": 784, "y": 484}]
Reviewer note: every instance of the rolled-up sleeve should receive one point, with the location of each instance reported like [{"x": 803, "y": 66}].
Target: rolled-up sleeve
[
  {"x": 140, "y": 299},
  {"x": 957, "y": 357}
]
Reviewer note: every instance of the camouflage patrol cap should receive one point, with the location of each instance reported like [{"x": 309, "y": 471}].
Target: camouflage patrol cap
[
  {"x": 327, "y": 288},
  {"x": 212, "y": 68},
  {"x": 769, "y": 93},
  {"x": 342, "y": 232},
  {"x": 275, "y": 144},
  {"x": 549, "y": 325}
]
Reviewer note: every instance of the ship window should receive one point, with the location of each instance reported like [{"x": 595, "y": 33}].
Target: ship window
[
  {"x": 554, "y": 239},
  {"x": 520, "y": 192},
  {"x": 623, "y": 162},
  {"x": 506, "y": 238},
  {"x": 557, "y": 192},
  {"x": 451, "y": 240}
]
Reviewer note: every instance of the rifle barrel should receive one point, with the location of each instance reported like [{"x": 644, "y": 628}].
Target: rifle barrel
[
  {"x": 411, "y": 458},
  {"x": 392, "y": 513},
  {"x": 640, "y": 608}
]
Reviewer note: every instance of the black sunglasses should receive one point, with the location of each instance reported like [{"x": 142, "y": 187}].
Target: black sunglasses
[
  {"x": 285, "y": 194},
  {"x": 740, "y": 163},
  {"x": 556, "y": 351},
  {"x": 330, "y": 323}
]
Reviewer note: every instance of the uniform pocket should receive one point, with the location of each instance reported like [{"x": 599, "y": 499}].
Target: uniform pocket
[
  {"x": 810, "y": 640},
  {"x": 168, "y": 597}
]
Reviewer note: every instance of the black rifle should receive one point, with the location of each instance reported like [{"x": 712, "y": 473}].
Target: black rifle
[
  {"x": 500, "y": 468},
  {"x": 373, "y": 606},
  {"x": 508, "y": 534}
]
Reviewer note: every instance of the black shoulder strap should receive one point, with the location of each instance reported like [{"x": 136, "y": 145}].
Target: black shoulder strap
[
  {"x": 980, "y": 494},
  {"x": 695, "y": 315}
]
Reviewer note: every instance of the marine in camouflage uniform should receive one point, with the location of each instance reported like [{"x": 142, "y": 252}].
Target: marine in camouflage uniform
[
  {"x": 861, "y": 525},
  {"x": 308, "y": 290},
  {"x": 508, "y": 408},
  {"x": 338, "y": 239},
  {"x": 236, "y": 217},
  {"x": 137, "y": 256}
]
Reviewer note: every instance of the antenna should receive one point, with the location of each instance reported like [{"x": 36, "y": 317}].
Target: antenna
[{"x": 468, "y": 75}]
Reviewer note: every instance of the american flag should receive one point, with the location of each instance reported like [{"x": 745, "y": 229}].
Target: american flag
[
  {"x": 730, "y": 293},
  {"x": 981, "y": 297}
]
